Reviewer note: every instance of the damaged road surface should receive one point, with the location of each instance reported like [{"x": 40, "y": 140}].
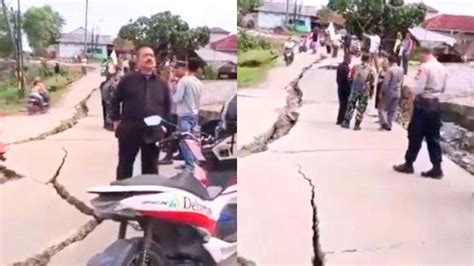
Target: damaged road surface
[
  {"x": 272, "y": 191},
  {"x": 362, "y": 212},
  {"x": 46, "y": 213}
]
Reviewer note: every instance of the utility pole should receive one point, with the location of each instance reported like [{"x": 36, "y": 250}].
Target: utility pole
[
  {"x": 6, "y": 14},
  {"x": 287, "y": 11},
  {"x": 85, "y": 33},
  {"x": 20, "y": 53}
]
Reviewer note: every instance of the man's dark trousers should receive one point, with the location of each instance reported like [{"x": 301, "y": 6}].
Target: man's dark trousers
[
  {"x": 425, "y": 123},
  {"x": 131, "y": 140},
  {"x": 343, "y": 93}
]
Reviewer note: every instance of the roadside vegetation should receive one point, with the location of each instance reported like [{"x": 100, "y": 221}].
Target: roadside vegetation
[
  {"x": 256, "y": 55},
  {"x": 10, "y": 100}
]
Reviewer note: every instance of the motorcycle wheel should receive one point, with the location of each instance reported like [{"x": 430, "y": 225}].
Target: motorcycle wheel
[{"x": 155, "y": 256}]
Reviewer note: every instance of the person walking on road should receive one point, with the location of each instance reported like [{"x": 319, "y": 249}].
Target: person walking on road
[
  {"x": 391, "y": 90},
  {"x": 425, "y": 122},
  {"x": 84, "y": 65},
  {"x": 139, "y": 94},
  {"x": 374, "y": 48},
  {"x": 362, "y": 80},
  {"x": 343, "y": 87},
  {"x": 406, "y": 48},
  {"x": 187, "y": 99}
]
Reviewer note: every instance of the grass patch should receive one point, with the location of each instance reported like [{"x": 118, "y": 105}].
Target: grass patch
[
  {"x": 11, "y": 103},
  {"x": 251, "y": 76},
  {"x": 256, "y": 57}
]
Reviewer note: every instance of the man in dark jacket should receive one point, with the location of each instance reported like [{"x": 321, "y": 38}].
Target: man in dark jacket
[
  {"x": 343, "y": 87},
  {"x": 139, "y": 94}
]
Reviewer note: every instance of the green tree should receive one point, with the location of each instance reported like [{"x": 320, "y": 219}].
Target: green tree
[
  {"x": 373, "y": 15},
  {"x": 43, "y": 27},
  {"x": 246, "y": 6},
  {"x": 6, "y": 46},
  {"x": 166, "y": 33}
]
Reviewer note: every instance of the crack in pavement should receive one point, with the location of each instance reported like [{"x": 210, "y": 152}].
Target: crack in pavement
[
  {"x": 82, "y": 111},
  {"x": 44, "y": 257},
  {"x": 391, "y": 246},
  {"x": 65, "y": 195},
  {"x": 286, "y": 119},
  {"x": 318, "y": 259},
  {"x": 7, "y": 175}
]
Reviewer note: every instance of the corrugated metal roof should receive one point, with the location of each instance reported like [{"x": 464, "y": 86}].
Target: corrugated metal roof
[
  {"x": 77, "y": 36},
  {"x": 426, "y": 37},
  {"x": 280, "y": 8}
]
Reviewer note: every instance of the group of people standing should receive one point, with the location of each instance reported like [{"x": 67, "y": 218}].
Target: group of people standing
[
  {"x": 356, "y": 86},
  {"x": 131, "y": 95}
]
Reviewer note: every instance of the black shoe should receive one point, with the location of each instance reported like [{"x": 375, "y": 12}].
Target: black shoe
[
  {"x": 180, "y": 167},
  {"x": 178, "y": 157},
  {"x": 165, "y": 161},
  {"x": 345, "y": 125},
  {"x": 338, "y": 123},
  {"x": 404, "y": 168},
  {"x": 435, "y": 173},
  {"x": 356, "y": 127}
]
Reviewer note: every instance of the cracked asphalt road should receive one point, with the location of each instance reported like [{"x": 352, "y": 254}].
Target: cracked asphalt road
[
  {"x": 367, "y": 213},
  {"x": 46, "y": 216}
]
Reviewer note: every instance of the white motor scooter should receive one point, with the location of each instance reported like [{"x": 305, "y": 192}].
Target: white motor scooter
[{"x": 184, "y": 222}]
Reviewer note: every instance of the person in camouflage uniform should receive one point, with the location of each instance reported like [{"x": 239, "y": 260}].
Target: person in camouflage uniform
[
  {"x": 107, "y": 92},
  {"x": 362, "y": 81}
]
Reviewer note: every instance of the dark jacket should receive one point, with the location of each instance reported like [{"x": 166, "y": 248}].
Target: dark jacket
[
  {"x": 138, "y": 97},
  {"x": 135, "y": 98},
  {"x": 342, "y": 76}
]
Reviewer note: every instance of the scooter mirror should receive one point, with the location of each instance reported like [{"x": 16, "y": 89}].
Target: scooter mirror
[{"x": 153, "y": 120}]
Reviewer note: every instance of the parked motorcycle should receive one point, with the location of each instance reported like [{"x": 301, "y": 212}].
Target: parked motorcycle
[
  {"x": 185, "y": 221},
  {"x": 37, "y": 102}
]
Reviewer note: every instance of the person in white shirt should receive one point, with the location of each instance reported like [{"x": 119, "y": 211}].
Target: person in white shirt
[
  {"x": 374, "y": 49},
  {"x": 187, "y": 99},
  {"x": 426, "y": 117}
]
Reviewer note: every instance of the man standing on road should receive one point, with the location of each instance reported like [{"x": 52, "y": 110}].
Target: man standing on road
[
  {"x": 391, "y": 89},
  {"x": 343, "y": 87},
  {"x": 139, "y": 94},
  {"x": 187, "y": 99},
  {"x": 374, "y": 49},
  {"x": 426, "y": 118},
  {"x": 314, "y": 38},
  {"x": 405, "y": 51},
  {"x": 362, "y": 80}
]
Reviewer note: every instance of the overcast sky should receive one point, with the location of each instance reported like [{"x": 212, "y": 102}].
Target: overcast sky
[{"x": 110, "y": 15}]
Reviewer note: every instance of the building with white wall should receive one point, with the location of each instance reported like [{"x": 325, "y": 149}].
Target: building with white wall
[
  {"x": 72, "y": 44},
  {"x": 271, "y": 15}
]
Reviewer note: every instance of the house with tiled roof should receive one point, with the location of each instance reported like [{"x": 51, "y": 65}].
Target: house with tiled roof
[
  {"x": 226, "y": 45},
  {"x": 217, "y": 33},
  {"x": 457, "y": 26}
]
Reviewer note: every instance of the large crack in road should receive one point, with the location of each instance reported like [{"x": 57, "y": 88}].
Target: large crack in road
[
  {"x": 318, "y": 255},
  {"x": 286, "y": 119},
  {"x": 44, "y": 257},
  {"x": 81, "y": 111},
  {"x": 7, "y": 175}
]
